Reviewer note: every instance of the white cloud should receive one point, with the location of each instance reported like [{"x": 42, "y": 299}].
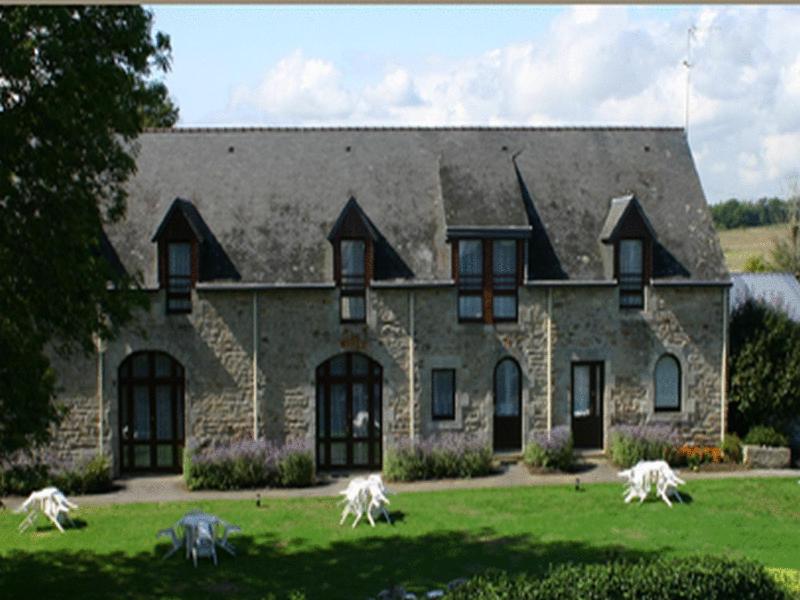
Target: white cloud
[{"x": 595, "y": 65}]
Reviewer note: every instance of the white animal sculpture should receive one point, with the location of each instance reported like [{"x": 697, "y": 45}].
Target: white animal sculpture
[{"x": 49, "y": 501}]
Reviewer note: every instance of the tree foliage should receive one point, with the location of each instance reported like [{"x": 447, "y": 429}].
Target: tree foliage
[
  {"x": 736, "y": 213},
  {"x": 765, "y": 368},
  {"x": 76, "y": 88}
]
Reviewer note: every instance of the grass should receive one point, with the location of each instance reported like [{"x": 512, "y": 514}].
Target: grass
[
  {"x": 740, "y": 244},
  {"x": 297, "y": 544}
]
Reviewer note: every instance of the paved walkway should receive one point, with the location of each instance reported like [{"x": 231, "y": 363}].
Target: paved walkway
[{"x": 172, "y": 489}]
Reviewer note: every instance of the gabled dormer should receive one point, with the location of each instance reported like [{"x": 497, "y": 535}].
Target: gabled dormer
[
  {"x": 179, "y": 237},
  {"x": 629, "y": 237}
]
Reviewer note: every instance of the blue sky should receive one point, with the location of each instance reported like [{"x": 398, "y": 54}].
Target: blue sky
[{"x": 505, "y": 65}]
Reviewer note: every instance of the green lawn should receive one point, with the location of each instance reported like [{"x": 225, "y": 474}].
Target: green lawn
[
  {"x": 740, "y": 244},
  {"x": 298, "y": 545}
]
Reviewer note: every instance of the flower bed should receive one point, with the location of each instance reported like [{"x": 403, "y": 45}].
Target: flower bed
[
  {"x": 694, "y": 456},
  {"x": 25, "y": 473},
  {"x": 449, "y": 456},
  {"x": 248, "y": 464},
  {"x": 553, "y": 451}
]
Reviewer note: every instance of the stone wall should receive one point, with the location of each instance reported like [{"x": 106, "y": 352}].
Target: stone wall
[{"x": 299, "y": 329}]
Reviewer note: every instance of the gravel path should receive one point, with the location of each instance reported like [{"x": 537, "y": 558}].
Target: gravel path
[{"x": 172, "y": 489}]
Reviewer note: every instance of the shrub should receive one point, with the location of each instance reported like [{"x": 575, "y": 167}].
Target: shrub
[
  {"x": 761, "y": 435},
  {"x": 26, "y": 473},
  {"x": 553, "y": 451},
  {"x": 689, "y": 578},
  {"x": 248, "y": 464},
  {"x": 732, "y": 448},
  {"x": 632, "y": 443},
  {"x": 449, "y": 456}
]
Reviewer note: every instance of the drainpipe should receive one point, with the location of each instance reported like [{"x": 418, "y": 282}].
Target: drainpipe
[
  {"x": 99, "y": 381},
  {"x": 549, "y": 360},
  {"x": 255, "y": 365},
  {"x": 724, "y": 383},
  {"x": 411, "y": 365}
]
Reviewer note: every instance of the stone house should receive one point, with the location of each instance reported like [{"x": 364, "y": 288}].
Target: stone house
[{"x": 359, "y": 287}]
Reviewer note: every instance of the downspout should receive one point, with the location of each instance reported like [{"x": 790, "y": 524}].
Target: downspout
[
  {"x": 549, "y": 360},
  {"x": 255, "y": 365},
  {"x": 411, "y": 365},
  {"x": 99, "y": 381},
  {"x": 724, "y": 370}
]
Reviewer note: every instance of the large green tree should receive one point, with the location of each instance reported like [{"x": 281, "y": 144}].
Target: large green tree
[
  {"x": 77, "y": 85},
  {"x": 765, "y": 368}
]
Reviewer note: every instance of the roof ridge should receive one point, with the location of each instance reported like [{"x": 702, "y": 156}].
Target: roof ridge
[{"x": 308, "y": 129}]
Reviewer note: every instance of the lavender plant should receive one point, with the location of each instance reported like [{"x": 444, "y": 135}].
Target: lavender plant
[
  {"x": 447, "y": 456},
  {"x": 24, "y": 472},
  {"x": 248, "y": 464},
  {"x": 632, "y": 443},
  {"x": 551, "y": 450}
]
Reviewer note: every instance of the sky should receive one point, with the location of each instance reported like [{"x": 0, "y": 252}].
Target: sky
[{"x": 506, "y": 65}]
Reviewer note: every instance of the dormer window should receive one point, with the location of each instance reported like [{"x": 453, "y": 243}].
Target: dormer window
[
  {"x": 631, "y": 273},
  {"x": 178, "y": 277},
  {"x": 353, "y": 281},
  {"x": 488, "y": 273}
]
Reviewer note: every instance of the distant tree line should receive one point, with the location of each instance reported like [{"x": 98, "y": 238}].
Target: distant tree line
[{"x": 735, "y": 213}]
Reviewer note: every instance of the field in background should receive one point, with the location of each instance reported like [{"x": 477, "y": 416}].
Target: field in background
[{"x": 739, "y": 244}]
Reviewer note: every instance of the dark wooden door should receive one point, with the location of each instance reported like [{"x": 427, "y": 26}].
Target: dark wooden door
[
  {"x": 587, "y": 404},
  {"x": 349, "y": 412},
  {"x": 507, "y": 406},
  {"x": 151, "y": 413}
]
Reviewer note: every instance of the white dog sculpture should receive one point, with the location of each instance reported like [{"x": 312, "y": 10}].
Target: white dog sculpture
[{"x": 645, "y": 474}]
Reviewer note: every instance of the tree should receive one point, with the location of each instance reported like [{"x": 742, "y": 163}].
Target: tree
[
  {"x": 785, "y": 252},
  {"x": 755, "y": 263},
  {"x": 765, "y": 368},
  {"x": 76, "y": 88}
]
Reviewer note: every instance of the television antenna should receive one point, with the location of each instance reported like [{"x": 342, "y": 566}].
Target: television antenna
[{"x": 691, "y": 34}]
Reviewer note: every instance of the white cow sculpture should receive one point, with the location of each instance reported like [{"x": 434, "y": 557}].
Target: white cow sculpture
[
  {"x": 647, "y": 473},
  {"x": 365, "y": 495}
]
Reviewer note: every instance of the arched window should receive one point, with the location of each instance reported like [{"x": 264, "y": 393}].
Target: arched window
[{"x": 668, "y": 383}]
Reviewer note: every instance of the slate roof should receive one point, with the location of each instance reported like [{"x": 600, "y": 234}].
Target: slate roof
[
  {"x": 271, "y": 196},
  {"x": 780, "y": 290}
]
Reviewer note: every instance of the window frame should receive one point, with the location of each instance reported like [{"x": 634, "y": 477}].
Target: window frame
[
  {"x": 356, "y": 288},
  {"x": 167, "y": 279},
  {"x": 629, "y": 291},
  {"x": 489, "y": 287},
  {"x": 668, "y": 409},
  {"x": 452, "y": 415}
]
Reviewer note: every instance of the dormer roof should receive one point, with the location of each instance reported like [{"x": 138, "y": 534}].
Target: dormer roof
[{"x": 625, "y": 213}]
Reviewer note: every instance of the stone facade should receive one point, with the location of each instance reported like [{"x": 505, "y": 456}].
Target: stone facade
[{"x": 299, "y": 329}]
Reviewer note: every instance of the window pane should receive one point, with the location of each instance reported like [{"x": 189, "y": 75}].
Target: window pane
[
  {"x": 504, "y": 307},
  {"x": 338, "y": 365},
  {"x": 180, "y": 305},
  {"x": 141, "y": 413},
  {"x": 668, "y": 381},
  {"x": 338, "y": 410},
  {"x": 443, "y": 384},
  {"x": 376, "y": 409},
  {"x": 163, "y": 365},
  {"x": 361, "y": 453},
  {"x": 141, "y": 365},
  {"x": 141, "y": 456},
  {"x": 164, "y": 412},
  {"x": 504, "y": 257},
  {"x": 507, "y": 389},
  {"x": 360, "y": 410},
  {"x": 581, "y": 392},
  {"x": 352, "y": 257},
  {"x": 360, "y": 365},
  {"x": 338, "y": 453},
  {"x": 353, "y": 308},
  {"x": 470, "y": 307},
  {"x": 630, "y": 257},
  {"x": 470, "y": 257},
  {"x": 180, "y": 259},
  {"x": 164, "y": 455}
]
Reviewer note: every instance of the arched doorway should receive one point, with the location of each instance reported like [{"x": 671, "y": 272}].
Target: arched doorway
[
  {"x": 349, "y": 412},
  {"x": 507, "y": 406},
  {"x": 151, "y": 413}
]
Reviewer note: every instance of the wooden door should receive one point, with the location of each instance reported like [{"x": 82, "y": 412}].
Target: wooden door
[{"x": 587, "y": 404}]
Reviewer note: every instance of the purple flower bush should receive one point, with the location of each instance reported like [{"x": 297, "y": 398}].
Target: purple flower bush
[
  {"x": 248, "y": 464},
  {"x": 25, "y": 472},
  {"x": 632, "y": 443},
  {"x": 447, "y": 456},
  {"x": 552, "y": 451}
]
